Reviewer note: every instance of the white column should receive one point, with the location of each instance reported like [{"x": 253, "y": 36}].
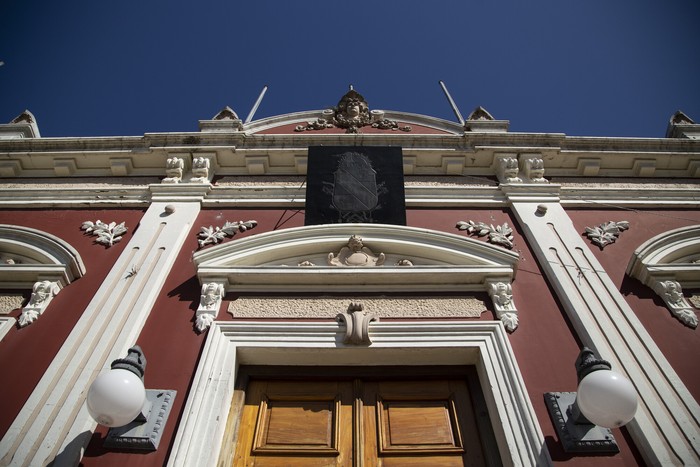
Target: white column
[
  {"x": 54, "y": 423},
  {"x": 666, "y": 428}
]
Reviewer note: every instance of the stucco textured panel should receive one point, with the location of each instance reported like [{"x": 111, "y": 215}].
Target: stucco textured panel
[
  {"x": 10, "y": 302},
  {"x": 329, "y": 307}
]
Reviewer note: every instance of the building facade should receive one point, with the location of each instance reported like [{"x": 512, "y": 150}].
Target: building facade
[{"x": 429, "y": 340}]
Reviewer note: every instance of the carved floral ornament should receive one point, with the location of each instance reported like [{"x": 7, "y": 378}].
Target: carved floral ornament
[
  {"x": 107, "y": 234},
  {"x": 213, "y": 235},
  {"x": 606, "y": 233},
  {"x": 352, "y": 113},
  {"x": 499, "y": 235}
]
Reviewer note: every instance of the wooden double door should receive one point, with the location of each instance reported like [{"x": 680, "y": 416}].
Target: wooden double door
[{"x": 380, "y": 418}]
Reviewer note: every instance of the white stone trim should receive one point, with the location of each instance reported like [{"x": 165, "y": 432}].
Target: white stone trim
[
  {"x": 6, "y": 323},
  {"x": 42, "y": 256},
  {"x": 484, "y": 344},
  {"x": 668, "y": 255}
]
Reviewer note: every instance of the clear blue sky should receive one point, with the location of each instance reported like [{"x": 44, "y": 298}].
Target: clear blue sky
[{"x": 594, "y": 67}]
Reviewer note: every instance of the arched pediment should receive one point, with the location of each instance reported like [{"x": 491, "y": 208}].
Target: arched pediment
[
  {"x": 668, "y": 263},
  {"x": 675, "y": 253},
  {"x": 288, "y": 123},
  {"x": 399, "y": 258},
  {"x": 29, "y": 255}
]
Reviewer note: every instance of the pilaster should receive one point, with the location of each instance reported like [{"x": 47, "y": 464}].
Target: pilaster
[
  {"x": 54, "y": 425},
  {"x": 666, "y": 428}
]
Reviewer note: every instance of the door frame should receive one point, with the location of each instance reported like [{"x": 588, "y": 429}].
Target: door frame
[{"x": 201, "y": 432}]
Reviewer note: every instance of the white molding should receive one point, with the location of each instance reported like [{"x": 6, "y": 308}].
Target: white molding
[
  {"x": 6, "y": 323},
  {"x": 484, "y": 344},
  {"x": 41, "y": 256}
]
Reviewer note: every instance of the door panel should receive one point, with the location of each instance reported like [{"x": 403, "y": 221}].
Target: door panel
[
  {"x": 295, "y": 424},
  {"x": 358, "y": 422}
]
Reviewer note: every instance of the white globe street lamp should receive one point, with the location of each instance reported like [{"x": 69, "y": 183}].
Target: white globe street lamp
[
  {"x": 119, "y": 400},
  {"x": 605, "y": 399}
]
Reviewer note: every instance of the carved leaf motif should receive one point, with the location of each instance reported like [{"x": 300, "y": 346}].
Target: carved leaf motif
[
  {"x": 27, "y": 317},
  {"x": 107, "y": 234},
  {"x": 203, "y": 322},
  {"x": 500, "y": 235},
  {"x": 606, "y": 233},
  {"x": 213, "y": 235},
  {"x": 510, "y": 321},
  {"x": 686, "y": 316}
]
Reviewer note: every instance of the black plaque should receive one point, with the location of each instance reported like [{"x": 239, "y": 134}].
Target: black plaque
[{"x": 355, "y": 184}]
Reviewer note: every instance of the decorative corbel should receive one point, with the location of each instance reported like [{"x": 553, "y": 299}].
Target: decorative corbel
[
  {"x": 507, "y": 168},
  {"x": 209, "y": 304},
  {"x": 534, "y": 169},
  {"x": 174, "y": 169},
  {"x": 671, "y": 293},
  {"x": 42, "y": 294},
  {"x": 356, "y": 324},
  {"x": 501, "y": 294},
  {"x": 201, "y": 170}
]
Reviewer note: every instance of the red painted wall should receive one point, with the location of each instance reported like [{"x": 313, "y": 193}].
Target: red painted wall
[
  {"x": 544, "y": 344},
  {"x": 26, "y": 353},
  {"x": 679, "y": 343}
]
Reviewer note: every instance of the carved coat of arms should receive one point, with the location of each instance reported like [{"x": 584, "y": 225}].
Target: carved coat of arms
[{"x": 355, "y": 192}]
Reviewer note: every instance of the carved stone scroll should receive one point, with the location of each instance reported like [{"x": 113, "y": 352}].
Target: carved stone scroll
[
  {"x": 356, "y": 324},
  {"x": 672, "y": 294},
  {"x": 42, "y": 294},
  {"x": 501, "y": 294},
  {"x": 209, "y": 303}
]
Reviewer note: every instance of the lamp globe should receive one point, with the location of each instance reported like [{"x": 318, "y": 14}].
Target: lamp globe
[
  {"x": 606, "y": 398},
  {"x": 116, "y": 397}
]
